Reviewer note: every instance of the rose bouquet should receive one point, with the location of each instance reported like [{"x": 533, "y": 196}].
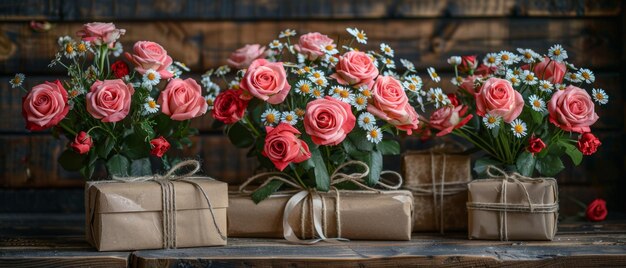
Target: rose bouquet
[
  {"x": 125, "y": 117},
  {"x": 529, "y": 110},
  {"x": 305, "y": 109}
]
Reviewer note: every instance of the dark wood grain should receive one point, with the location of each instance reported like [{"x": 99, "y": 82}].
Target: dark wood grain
[{"x": 427, "y": 42}]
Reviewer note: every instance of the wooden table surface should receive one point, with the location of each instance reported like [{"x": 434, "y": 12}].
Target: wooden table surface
[{"x": 57, "y": 240}]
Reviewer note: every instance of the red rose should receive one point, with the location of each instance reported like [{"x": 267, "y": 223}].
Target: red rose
[
  {"x": 82, "y": 143},
  {"x": 229, "y": 107},
  {"x": 159, "y": 146},
  {"x": 468, "y": 63},
  {"x": 484, "y": 70},
  {"x": 282, "y": 146},
  {"x": 535, "y": 145},
  {"x": 453, "y": 99},
  {"x": 588, "y": 143},
  {"x": 596, "y": 210},
  {"x": 120, "y": 69}
]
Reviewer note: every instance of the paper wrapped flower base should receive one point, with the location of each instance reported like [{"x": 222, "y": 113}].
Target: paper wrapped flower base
[
  {"x": 156, "y": 212},
  {"x": 512, "y": 207},
  {"x": 338, "y": 214},
  {"x": 438, "y": 182}
]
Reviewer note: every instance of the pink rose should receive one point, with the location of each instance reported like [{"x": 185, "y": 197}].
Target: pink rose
[
  {"x": 150, "y": 55},
  {"x": 311, "y": 45},
  {"x": 390, "y": 103},
  {"x": 109, "y": 100},
  {"x": 449, "y": 118},
  {"x": 328, "y": 121},
  {"x": 182, "y": 99},
  {"x": 355, "y": 68},
  {"x": 283, "y": 147},
  {"x": 45, "y": 106},
  {"x": 100, "y": 33},
  {"x": 497, "y": 97},
  {"x": 550, "y": 70},
  {"x": 242, "y": 57},
  {"x": 266, "y": 80},
  {"x": 572, "y": 110}
]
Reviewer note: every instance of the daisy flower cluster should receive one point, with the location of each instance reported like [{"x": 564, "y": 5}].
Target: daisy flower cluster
[
  {"x": 330, "y": 102},
  {"x": 529, "y": 107},
  {"x": 120, "y": 111}
]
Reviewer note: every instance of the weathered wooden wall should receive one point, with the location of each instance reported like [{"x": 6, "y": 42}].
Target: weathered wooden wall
[{"x": 203, "y": 33}]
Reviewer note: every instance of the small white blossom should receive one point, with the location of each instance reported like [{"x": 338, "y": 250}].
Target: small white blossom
[
  {"x": 454, "y": 60},
  {"x": 69, "y": 50},
  {"x": 560, "y": 86},
  {"x": 557, "y": 53},
  {"x": 507, "y": 58},
  {"x": 182, "y": 66},
  {"x": 433, "y": 74},
  {"x": 529, "y": 78},
  {"x": 389, "y": 63},
  {"x": 374, "y": 134},
  {"x": 537, "y": 103},
  {"x": 408, "y": 65},
  {"x": 366, "y": 120},
  {"x": 317, "y": 92},
  {"x": 436, "y": 95},
  {"x": 359, "y": 102},
  {"x": 545, "y": 86},
  {"x": 491, "y": 60},
  {"x": 222, "y": 70},
  {"x": 519, "y": 128},
  {"x": 118, "y": 49},
  {"x": 359, "y": 35},
  {"x": 342, "y": 93},
  {"x": 286, "y": 33},
  {"x": 210, "y": 101},
  {"x": 276, "y": 44},
  {"x": 151, "y": 77},
  {"x": 150, "y": 106},
  {"x": 457, "y": 81},
  {"x": 17, "y": 80},
  {"x": 330, "y": 49},
  {"x": 289, "y": 117},
  {"x": 410, "y": 86},
  {"x": 270, "y": 117},
  {"x": 528, "y": 55},
  {"x": 600, "y": 96},
  {"x": 64, "y": 40},
  {"x": 386, "y": 49},
  {"x": 515, "y": 81},
  {"x": 573, "y": 77},
  {"x": 586, "y": 75},
  {"x": 303, "y": 87},
  {"x": 491, "y": 121}
]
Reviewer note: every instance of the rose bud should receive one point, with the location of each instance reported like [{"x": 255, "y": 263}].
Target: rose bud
[
  {"x": 159, "y": 146},
  {"x": 588, "y": 143},
  {"x": 596, "y": 210},
  {"x": 82, "y": 143},
  {"x": 120, "y": 69},
  {"x": 535, "y": 145}
]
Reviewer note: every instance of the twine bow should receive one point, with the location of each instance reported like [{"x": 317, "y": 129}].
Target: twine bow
[
  {"x": 503, "y": 207},
  {"x": 311, "y": 199},
  {"x": 168, "y": 196}
]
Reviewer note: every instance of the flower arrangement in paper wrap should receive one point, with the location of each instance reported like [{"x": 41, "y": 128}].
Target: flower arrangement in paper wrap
[
  {"x": 305, "y": 106},
  {"x": 124, "y": 112},
  {"x": 529, "y": 110}
]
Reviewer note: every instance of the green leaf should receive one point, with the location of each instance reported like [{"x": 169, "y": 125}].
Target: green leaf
[
  {"x": 104, "y": 148},
  {"x": 480, "y": 167},
  {"x": 136, "y": 146},
  {"x": 374, "y": 161},
  {"x": 145, "y": 129},
  {"x": 338, "y": 156},
  {"x": 140, "y": 167},
  {"x": 495, "y": 131},
  {"x": 572, "y": 152},
  {"x": 351, "y": 149},
  {"x": 265, "y": 191},
  {"x": 525, "y": 163},
  {"x": 240, "y": 136},
  {"x": 118, "y": 165},
  {"x": 322, "y": 179},
  {"x": 87, "y": 171},
  {"x": 358, "y": 138},
  {"x": 71, "y": 160},
  {"x": 389, "y": 147},
  {"x": 550, "y": 165},
  {"x": 537, "y": 117}
]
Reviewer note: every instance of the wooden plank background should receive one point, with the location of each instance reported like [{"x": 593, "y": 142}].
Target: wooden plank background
[{"x": 203, "y": 33}]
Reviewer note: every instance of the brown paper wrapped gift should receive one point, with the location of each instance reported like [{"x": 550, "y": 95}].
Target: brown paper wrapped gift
[
  {"x": 180, "y": 212},
  {"x": 338, "y": 214},
  {"x": 512, "y": 207},
  {"x": 438, "y": 182}
]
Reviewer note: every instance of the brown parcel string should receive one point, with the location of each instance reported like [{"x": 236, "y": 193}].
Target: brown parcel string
[
  {"x": 168, "y": 197},
  {"x": 503, "y": 207},
  {"x": 452, "y": 189}
]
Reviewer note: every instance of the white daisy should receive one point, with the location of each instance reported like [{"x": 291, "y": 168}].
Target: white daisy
[
  {"x": 515, "y": 81},
  {"x": 433, "y": 74},
  {"x": 408, "y": 65},
  {"x": 359, "y": 35},
  {"x": 491, "y": 121},
  {"x": 118, "y": 49},
  {"x": 560, "y": 86},
  {"x": 69, "y": 50},
  {"x": 222, "y": 70},
  {"x": 210, "y": 100},
  {"x": 150, "y": 106},
  {"x": 213, "y": 87},
  {"x": 454, "y": 60},
  {"x": 317, "y": 92},
  {"x": 529, "y": 78},
  {"x": 234, "y": 84},
  {"x": 82, "y": 47},
  {"x": 289, "y": 117},
  {"x": 457, "y": 81},
  {"x": 436, "y": 95},
  {"x": 182, "y": 66},
  {"x": 64, "y": 40},
  {"x": 415, "y": 79},
  {"x": 386, "y": 49},
  {"x": 557, "y": 53},
  {"x": 410, "y": 86},
  {"x": 374, "y": 134},
  {"x": 501, "y": 70},
  {"x": 586, "y": 75},
  {"x": 270, "y": 117},
  {"x": 517, "y": 71},
  {"x": 389, "y": 63},
  {"x": 276, "y": 44},
  {"x": 545, "y": 85},
  {"x": 365, "y": 91},
  {"x": 519, "y": 128},
  {"x": 528, "y": 55},
  {"x": 507, "y": 58},
  {"x": 390, "y": 73},
  {"x": 318, "y": 78},
  {"x": 330, "y": 49},
  {"x": 303, "y": 87},
  {"x": 359, "y": 102},
  {"x": 17, "y": 80},
  {"x": 343, "y": 94},
  {"x": 573, "y": 77},
  {"x": 302, "y": 71},
  {"x": 537, "y": 103},
  {"x": 366, "y": 120},
  {"x": 286, "y": 33},
  {"x": 600, "y": 96},
  {"x": 175, "y": 71},
  {"x": 330, "y": 59},
  {"x": 151, "y": 77},
  {"x": 491, "y": 60},
  {"x": 301, "y": 58}
]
